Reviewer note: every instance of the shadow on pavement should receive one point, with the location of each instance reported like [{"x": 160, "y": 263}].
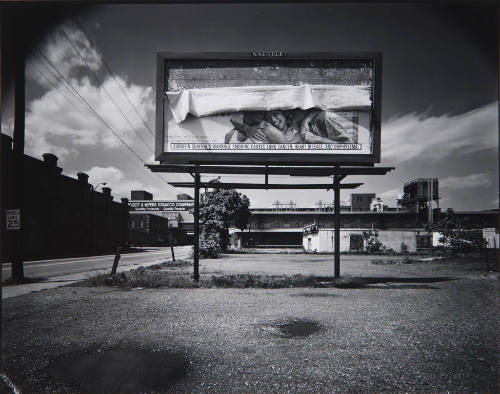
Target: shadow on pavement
[
  {"x": 368, "y": 282},
  {"x": 123, "y": 371}
]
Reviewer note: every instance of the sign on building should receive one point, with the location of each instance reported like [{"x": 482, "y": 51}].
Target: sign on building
[
  {"x": 161, "y": 206},
  {"x": 13, "y": 219},
  {"x": 269, "y": 107}
]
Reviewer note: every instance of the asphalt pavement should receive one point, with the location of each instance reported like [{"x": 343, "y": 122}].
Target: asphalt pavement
[
  {"x": 61, "y": 272},
  {"x": 434, "y": 331}
]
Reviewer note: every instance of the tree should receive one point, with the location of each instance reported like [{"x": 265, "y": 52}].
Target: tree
[
  {"x": 456, "y": 235},
  {"x": 219, "y": 209}
]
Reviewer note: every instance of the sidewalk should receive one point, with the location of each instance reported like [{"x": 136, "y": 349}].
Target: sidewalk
[{"x": 64, "y": 280}]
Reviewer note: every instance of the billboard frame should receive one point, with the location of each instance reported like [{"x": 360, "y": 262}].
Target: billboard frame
[{"x": 268, "y": 158}]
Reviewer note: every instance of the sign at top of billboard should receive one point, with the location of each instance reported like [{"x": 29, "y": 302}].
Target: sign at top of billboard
[{"x": 265, "y": 108}]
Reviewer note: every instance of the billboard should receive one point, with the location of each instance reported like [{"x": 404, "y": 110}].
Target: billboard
[
  {"x": 161, "y": 206},
  {"x": 268, "y": 108}
]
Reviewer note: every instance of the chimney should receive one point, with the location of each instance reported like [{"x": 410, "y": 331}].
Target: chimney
[
  {"x": 82, "y": 177},
  {"x": 50, "y": 159},
  {"x": 107, "y": 192},
  {"x": 124, "y": 200}
]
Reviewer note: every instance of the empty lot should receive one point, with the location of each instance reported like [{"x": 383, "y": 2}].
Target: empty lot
[{"x": 436, "y": 330}]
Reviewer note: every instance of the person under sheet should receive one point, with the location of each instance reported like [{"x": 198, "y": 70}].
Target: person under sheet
[
  {"x": 286, "y": 125},
  {"x": 252, "y": 128},
  {"x": 321, "y": 127}
]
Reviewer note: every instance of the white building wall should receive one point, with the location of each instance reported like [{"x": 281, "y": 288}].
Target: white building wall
[
  {"x": 393, "y": 239},
  {"x": 323, "y": 241}
]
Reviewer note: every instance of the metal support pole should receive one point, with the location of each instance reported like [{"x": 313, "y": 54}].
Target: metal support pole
[
  {"x": 336, "y": 188},
  {"x": 196, "y": 257}
]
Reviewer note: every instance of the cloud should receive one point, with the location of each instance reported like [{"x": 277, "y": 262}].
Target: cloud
[
  {"x": 467, "y": 181},
  {"x": 61, "y": 48},
  {"x": 116, "y": 180},
  {"x": 389, "y": 197},
  {"x": 433, "y": 138},
  {"x": 59, "y": 122}
]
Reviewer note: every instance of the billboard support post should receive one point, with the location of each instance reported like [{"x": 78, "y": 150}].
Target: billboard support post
[
  {"x": 196, "y": 240},
  {"x": 336, "y": 189},
  {"x": 338, "y": 173}
]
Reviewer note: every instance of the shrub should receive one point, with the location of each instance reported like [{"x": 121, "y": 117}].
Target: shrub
[{"x": 210, "y": 246}]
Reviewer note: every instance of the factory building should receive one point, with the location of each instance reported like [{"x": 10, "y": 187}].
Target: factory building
[{"x": 363, "y": 219}]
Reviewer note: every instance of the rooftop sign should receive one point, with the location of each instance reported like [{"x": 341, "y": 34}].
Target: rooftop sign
[{"x": 268, "y": 107}]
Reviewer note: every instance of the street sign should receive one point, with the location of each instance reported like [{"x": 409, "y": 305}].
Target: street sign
[
  {"x": 489, "y": 232},
  {"x": 13, "y": 219}
]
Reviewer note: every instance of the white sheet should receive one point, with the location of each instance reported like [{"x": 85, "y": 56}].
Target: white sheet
[{"x": 210, "y": 101}]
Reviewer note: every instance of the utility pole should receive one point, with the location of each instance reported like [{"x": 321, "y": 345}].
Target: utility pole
[{"x": 17, "y": 184}]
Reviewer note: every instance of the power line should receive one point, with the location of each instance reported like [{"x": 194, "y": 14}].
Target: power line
[
  {"x": 93, "y": 112},
  {"x": 108, "y": 68},
  {"x": 57, "y": 88},
  {"x": 92, "y": 44},
  {"x": 81, "y": 112},
  {"x": 104, "y": 89},
  {"x": 91, "y": 108}
]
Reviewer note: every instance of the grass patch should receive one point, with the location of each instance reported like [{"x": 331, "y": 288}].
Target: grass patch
[
  {"x": 405, "y": 260},
  {"x": 180, "y": 263},
  {"x": 160, "y": 278},
  {"x": 23, "y": 281}
]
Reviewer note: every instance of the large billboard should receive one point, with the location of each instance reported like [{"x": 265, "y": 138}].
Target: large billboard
[{"x": 268, "y": 108}]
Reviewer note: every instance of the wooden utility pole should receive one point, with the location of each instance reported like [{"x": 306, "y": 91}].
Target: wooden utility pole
[
  {"x": 17, "y": 185},
  {"x": 171, "y": 240}
]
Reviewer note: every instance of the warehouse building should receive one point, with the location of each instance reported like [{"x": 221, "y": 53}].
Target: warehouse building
[{"x": 363, "y": 219}]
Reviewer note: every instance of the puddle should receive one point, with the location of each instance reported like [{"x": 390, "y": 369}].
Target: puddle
[
  {"x": 123, "y": 371},
  {"x": 298, "y": 328}
]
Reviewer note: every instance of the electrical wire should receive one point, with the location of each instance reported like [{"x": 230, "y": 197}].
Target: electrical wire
[
  {"x": 91, "y": 108},
  {"x": 111, "y": 73},
  {"x": 104, "y": 89},
  {"x": 93, "y": 112},
  {"x": 108, "y": 68}
]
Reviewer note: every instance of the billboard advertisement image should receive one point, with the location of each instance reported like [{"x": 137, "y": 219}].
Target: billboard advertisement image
[{"x": 267, "y": 110}]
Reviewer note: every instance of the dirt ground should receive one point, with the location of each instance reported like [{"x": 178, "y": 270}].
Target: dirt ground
[{"x": 430, "y": 327}]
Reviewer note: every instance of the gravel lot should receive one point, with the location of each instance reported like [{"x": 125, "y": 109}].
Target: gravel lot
[{"x": 395, "y": 337}]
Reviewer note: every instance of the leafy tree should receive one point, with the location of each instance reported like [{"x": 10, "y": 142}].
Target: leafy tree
[
  {"x": 456, "y": 235},
  {"x": 219, "y": 209}
]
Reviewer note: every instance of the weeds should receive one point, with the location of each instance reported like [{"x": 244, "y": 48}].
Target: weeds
[{"x": 157, "y": 278}]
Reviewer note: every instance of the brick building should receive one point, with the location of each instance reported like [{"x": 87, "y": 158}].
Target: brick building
[{"x": 61, "y": 216}]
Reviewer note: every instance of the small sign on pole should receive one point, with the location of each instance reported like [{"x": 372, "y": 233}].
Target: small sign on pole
[{"x": 13, "y": 219}]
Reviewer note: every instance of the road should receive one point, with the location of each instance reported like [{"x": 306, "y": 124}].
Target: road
[{"x": 74, "y": 265}]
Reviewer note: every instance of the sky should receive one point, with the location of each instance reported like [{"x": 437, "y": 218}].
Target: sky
[{"x": 439, "y": 90}]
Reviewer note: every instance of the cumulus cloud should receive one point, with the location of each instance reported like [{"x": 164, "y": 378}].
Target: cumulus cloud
[
  {"x": 436, "y": 137},
  {"x": 116, "y": 180},
  {"x": 59, "y": 48},
  {"x": 467, "y": 181},
  {"x": 389, "y": 197},
  {"x": 59, "y": 122}
]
